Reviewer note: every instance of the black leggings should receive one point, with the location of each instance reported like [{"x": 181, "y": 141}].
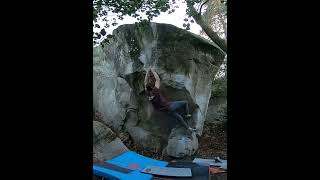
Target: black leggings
[{"x": 174, "y": 106}]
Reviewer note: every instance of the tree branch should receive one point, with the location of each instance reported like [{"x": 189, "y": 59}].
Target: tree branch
[
  {"x": 208, "y": 30},
  {"x": 202, "y": 5}
]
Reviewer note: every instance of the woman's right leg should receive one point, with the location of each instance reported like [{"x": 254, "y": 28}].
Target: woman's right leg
[
  {"x": 174, "y": 105},
  {"x": 180, "y": 118}
]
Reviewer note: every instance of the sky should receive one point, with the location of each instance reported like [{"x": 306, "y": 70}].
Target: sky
[{"x": 175, "y": 18}]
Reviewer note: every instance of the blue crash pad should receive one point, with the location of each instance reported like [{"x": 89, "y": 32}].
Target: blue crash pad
[{"x": 129, "y": 160}]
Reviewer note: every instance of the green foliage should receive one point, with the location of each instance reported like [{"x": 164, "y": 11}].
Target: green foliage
[
  {"x": 219, "y": 87},
  {"x": 133, "y": 8}
]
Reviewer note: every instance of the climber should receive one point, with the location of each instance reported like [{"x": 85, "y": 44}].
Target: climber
[{"x": 160, "y": 103}]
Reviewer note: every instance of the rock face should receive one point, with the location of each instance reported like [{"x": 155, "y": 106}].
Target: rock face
[
  {"x": 185, "y": 63},
  {"x": 105, "y": 144},
  {"x": 217, "y": 110},
  {"x": 181, "y": 144}
]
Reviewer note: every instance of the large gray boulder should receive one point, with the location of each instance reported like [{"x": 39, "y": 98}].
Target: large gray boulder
[
  {"x": 181, "y": 143},
  {"x": 105, "y": 143},
  {"x": 185, "y": 63}
]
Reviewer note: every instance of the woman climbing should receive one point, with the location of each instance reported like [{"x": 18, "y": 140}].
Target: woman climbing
[{"x": 152, "y": 89}]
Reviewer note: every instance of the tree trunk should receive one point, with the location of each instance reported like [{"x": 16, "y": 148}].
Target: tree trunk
[{"x": 208, "y": 30}]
